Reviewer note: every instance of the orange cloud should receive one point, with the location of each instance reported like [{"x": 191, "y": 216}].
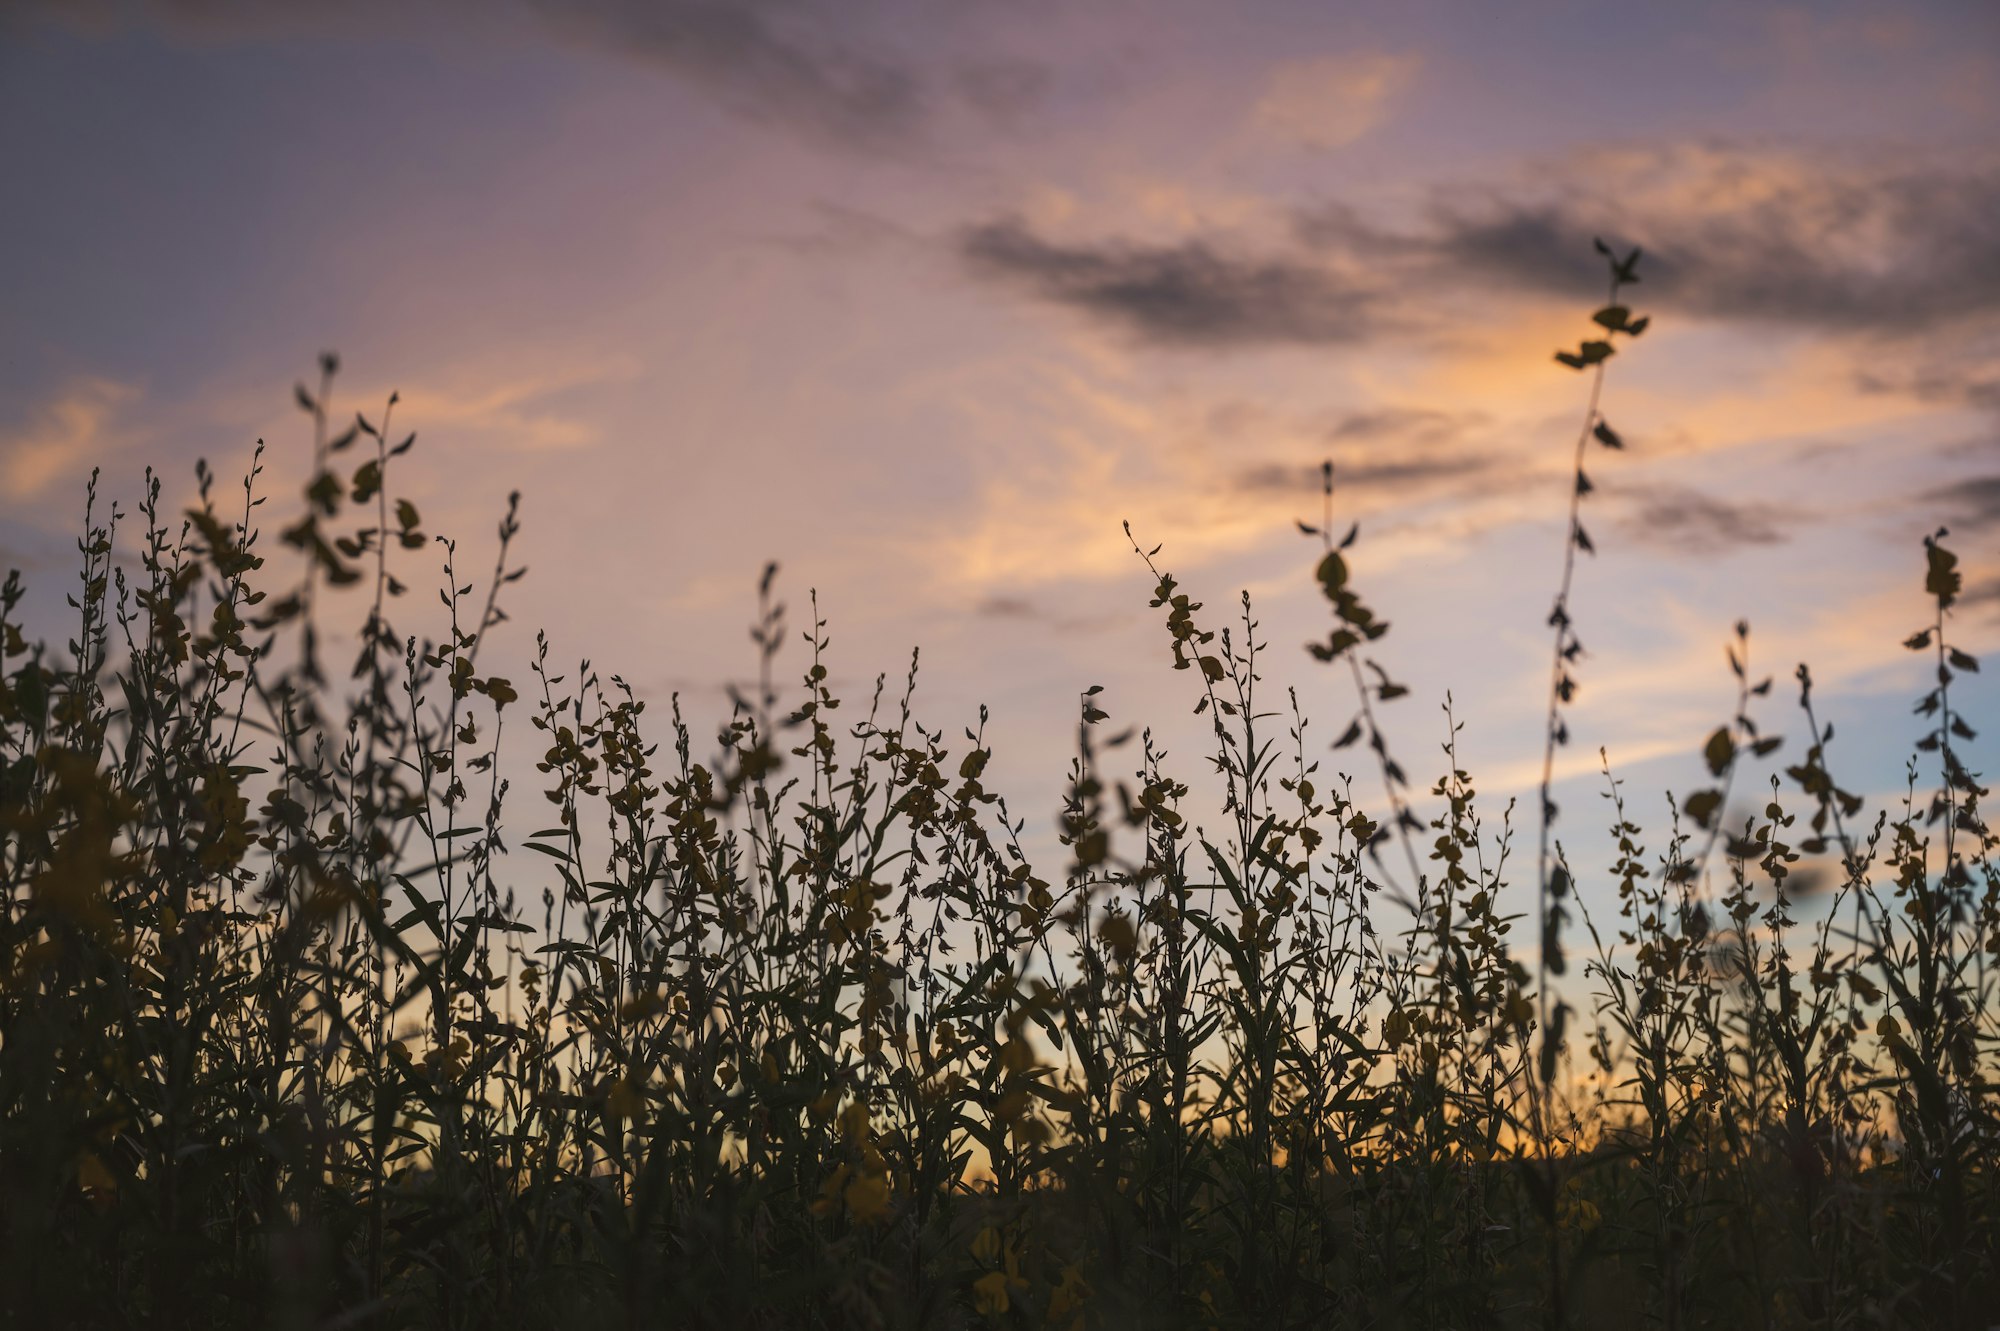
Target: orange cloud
[
  {"x": 1331, "y": 101},
  {"x": 77, "y": 428}
]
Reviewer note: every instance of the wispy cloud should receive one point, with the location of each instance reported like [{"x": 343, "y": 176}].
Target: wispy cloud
[
  {"x": 1887, "y": 249},
  {"x": 1007, "y": 607},
  {"x": 505, "y": 404},
  {"x": 1985, "y": 592},
  {"x": 758, "y": 64},
  {"x": 1191, "y": 294},
  {"x": 798, "y": 64},
  {"x": 1972, "y": 502},
  {"x": 1689, "y": 521},
  {"x": 1404, "y": 478},
  {"x": 79, "y": 426},
  {"x": 1331, "y": 101},
  {"x": 1003, "y": 90},
  {"x": 1732, "y": 233},
  {"x": 1424, "y": 426}
]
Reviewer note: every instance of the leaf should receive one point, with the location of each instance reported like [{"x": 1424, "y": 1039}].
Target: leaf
[
  {"x": 1575, "y": 362},
  {"x": 1941, "y": 578},
  {"x": 1092, "y": 848},
  {"x": 1613, "y": 317},
  {"x": 1341, "y": 640},
  {"x": 1962, "y": 660},
  {"x": 1719, "y": 752},
  {"x": 1607, "y": 436},
  {"x": 324, "y": 492},
  {"x": 1212, "y": 668},
  {"x": 1916, "y": 642},
  {"x": 367, "y": 481},
  {"x": 1702, "y": 807},
  {"x": 1552, "y": 1041},
  {"x": 1332, "y": 574},
  {"x": 1348, "y": 736}
]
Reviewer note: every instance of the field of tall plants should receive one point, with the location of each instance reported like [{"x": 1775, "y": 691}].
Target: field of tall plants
[{"x": 308, "y": 1020}]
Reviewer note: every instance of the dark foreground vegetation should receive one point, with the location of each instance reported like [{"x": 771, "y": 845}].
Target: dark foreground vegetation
[{"x": 308, "y": 1022}]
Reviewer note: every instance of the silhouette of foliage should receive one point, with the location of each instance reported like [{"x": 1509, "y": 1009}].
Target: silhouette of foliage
[{"x": 301, "y": 1026}]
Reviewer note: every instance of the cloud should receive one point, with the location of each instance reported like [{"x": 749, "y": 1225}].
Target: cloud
[
  {"x": 1692, "y": 522},
  {"x": 69, "y": 432},
  {"x": 1385, "y": 456},
  {"x": 1881, "y": 246},
  {"x": 1977, "y": 387},
  {"x": 1003, "y": 90},
  {"x": 1983, "y": 592},
  {"x": 1190, "y": 294},
  {"x": 1395, "y": 477},
  {"x": 1408, "y": 425},
  {"x": 1331, "y": 101},
  {"x": 754, "y": 64},
  {"x": 523, "y": 398},
  {"x": 1008, "y": 607},
  {"x": 1974, "y": 502},
  {"x": 770, "y": 62},
  {"x": 1890, "y": 249}
]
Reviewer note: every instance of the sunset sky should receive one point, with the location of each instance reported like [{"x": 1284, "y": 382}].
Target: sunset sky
[{"x": 923, "y": 300}]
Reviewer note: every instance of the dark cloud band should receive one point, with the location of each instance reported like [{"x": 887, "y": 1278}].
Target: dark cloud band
[
  {"x": 1188, "y": 295},
  {"x": 1892, "y": 251},
  {"x": 1692, "y": 522}
]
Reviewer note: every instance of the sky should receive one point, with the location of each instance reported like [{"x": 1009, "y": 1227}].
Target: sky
[{"x": 923, "y": 302}]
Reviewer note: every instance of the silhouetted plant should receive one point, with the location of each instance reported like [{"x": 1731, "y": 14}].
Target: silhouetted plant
[{"x": 299, "y": 1026}]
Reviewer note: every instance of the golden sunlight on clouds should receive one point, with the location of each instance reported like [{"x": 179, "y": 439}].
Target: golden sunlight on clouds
[
  {"x": 505, "y": 401},
  {"x": 1762, "y": 392},
  {"x": 1501, "y": 359},
  {"x": 1809, "y": 389},
  {"x": 67, "y": 435},
  {"x": 1680, "y": 178},
  {"x": 1180, "y": 209},
  {"x": 1331, "y": 101},
  {"x": 1104, "y": 453}
]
